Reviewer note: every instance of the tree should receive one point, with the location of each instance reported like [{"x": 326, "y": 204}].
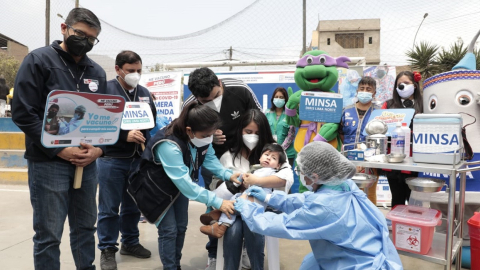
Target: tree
[
  {"x": 448, "y": 59},
  {"x": 422, "y": 58},
  {"x": 8, "y": 68}
]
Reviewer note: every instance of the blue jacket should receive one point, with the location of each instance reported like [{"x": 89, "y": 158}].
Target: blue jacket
[
  {"x": 43, "y": 71},
  {"x": 122, "y": 148},
  {"x": 352, "y": 126}
]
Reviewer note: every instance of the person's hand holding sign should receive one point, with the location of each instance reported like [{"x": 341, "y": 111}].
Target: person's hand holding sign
[
  {"x": 135, "y": 136},
  {"x": 87, "y": 155}
]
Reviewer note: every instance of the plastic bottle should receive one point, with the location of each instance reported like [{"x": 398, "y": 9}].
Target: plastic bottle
[
  {"x": 398, "y": 140},
  {"x": 407, "y": 133}
]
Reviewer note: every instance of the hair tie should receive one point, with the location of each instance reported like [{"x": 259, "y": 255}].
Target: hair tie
[{"x": 417, "y": 76}]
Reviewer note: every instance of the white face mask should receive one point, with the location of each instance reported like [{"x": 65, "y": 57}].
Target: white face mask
[
  {"x": 405, "y": 90},
  {"x": 132, "y": 79},
  {"x": 250, "y": 140},
  {"x": 302, "y": 179},
  {"x": 201, "y": 142},
  {"x": 215, "y": 104}
]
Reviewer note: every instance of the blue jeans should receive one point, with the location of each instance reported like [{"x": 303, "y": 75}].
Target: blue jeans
[
  {"x": 171, "y": 233},
  {"x": 212, "y": 241},
  {"x": 53, "y": 199},
  {"x": 113, "y": 180},
  {"x": 233, "y": 242}
]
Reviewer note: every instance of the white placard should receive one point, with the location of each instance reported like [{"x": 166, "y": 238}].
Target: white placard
[
  {"x": 137, "y": 115},
  {"x": 408, "y": 237}
]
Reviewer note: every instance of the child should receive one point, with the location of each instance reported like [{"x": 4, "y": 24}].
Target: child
[{"x": 272, "y": 160}]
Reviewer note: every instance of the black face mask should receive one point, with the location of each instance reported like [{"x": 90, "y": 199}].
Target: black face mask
[
  {"x": 78, "y": 46},
  {"x": 51, "y": 114}
]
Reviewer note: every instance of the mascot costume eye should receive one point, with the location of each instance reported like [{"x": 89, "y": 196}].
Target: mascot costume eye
[{"x": 316, "y": 71}]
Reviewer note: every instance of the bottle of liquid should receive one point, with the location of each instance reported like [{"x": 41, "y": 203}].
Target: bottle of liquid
[
  {"x": 398, "y": 140},
  {"x": 407, "y": 132}
]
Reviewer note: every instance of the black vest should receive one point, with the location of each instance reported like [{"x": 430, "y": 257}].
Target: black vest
[{"x": 150, "y": 187}]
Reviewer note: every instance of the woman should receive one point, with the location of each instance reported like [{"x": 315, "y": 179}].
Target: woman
[
  {"x": 168, "y": 174},
  {"x": 255, "y": 133},
  {"x": 407, "y": 94},
  {"x": 345, "y": 230},
  {"x": 282, "y": 132}
]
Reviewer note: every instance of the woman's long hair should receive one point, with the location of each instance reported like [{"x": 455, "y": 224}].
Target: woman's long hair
[
  {"x": 396, "y": 101},
  {"x": 264, "y": 134},
  {"x": 198, "y": 117}
]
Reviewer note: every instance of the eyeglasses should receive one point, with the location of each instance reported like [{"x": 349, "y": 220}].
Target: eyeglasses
[{"x": 82, "y": 35}]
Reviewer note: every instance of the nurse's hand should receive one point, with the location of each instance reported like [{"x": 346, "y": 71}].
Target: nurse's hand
[
  {"x": 239, "y": 204},
  {"x": 257, "y": 192},
  {"x": 234, "y": 178},
  {"x": 227, "y": 208}
]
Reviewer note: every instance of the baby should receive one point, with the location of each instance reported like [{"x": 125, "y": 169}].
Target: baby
[{"x": 272, "y": 161}]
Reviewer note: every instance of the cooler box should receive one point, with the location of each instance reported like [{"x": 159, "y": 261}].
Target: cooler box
[
  {"x": 413, "y": 227},
  {"x": 436, "y": 137},
  {"x": 474, "y": 231}
]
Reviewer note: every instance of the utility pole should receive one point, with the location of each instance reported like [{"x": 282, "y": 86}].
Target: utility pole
[
  {"x": 47, "y": 23},
  {"x": 304, "y": 48},
  {"x": 231, "y": 53},
  {"x": 76, "y": 3}
]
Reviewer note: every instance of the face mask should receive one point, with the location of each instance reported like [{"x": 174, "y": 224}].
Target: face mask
[
  {"x": 76, "y": 116},
  {"x": 201, "y": 142},
  {"x": 364, "y": 97},
  {"x": 405, "y": 90},
  {"x": 51, "y": 114},
  {"x": 279, "y": 102},
  {"x": 215, "y": 104},
  {"x": 78, "y": 46},
  {"x": 380, "y": 73},
  {"x": 250, "y": 140},
  {"x": 132, "y": 79},
  {"x": 302, "y": 179}
]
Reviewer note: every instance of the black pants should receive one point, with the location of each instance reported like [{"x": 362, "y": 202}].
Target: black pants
[{"x": 398, "y": 186}]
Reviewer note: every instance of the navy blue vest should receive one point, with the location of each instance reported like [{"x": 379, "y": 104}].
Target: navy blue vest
[{"x": 150, "y": 187}]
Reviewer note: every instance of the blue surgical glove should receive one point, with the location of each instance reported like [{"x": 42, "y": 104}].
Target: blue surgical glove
[
  {"x": 239, "y": 204},
  {"x": 257, "y": 192}
]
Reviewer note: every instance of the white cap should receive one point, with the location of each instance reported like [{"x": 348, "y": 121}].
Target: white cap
[{"x": 399, "y": 124}]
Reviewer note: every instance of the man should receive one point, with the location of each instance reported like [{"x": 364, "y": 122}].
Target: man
[
  {"x": 114, "y": 168},
  {"x": 230, "y": 98},
  {"x": 51, "y": 121},
  {"x": 62, "y": 65}
]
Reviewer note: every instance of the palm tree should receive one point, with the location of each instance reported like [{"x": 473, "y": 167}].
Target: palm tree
[
  {"x": 422, "y": 58},
  {"x": 448, "y": 59}
]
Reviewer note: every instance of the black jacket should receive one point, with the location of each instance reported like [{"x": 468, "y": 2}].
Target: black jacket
[
  {"x": 43, "y": 71},
  {"x": 122, "y": 148},
  {"x": 150, "y": 187}
]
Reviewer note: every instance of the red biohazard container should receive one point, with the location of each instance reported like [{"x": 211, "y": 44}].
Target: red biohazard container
[
  {"x": 413, "y": 227},
  {"x": 474, "y": 232}
]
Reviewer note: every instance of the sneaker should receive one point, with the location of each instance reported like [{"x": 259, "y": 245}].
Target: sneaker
[
  {"x": 245, "y": 263},
  {"x": 215, "y": 230},
  {"x": 107, "y": 259},
  {"x": 137, "y": 250},
  {"x": 211, "y": 264},
  {"x": 210, "y": 217}
]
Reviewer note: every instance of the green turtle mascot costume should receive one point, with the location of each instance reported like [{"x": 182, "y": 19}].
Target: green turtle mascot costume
[{"x": 316, "y": 71}]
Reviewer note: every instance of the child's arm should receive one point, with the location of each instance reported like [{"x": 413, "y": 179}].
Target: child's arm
[{"x": 271, "y": 181}]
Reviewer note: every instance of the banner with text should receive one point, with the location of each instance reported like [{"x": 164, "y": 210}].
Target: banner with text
[
  {"x": 321, "y": 107},
  {"x": 166, "y": 88},
  {"x": 74, "y": 117},
  {"x": 137, "y": 115}
]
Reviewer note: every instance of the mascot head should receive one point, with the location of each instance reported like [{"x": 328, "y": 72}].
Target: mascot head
[{"x": 317, "y": 71}]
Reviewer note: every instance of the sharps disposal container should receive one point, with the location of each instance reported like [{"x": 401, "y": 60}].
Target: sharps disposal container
[
  {"x": 413, "y": 227},
  {"x": 437, "y": 138},
  {"x": 474, "y": 231}
]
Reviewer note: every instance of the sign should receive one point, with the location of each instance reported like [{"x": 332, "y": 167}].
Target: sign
[
  {"x": 321, "y": 107},
  {"x": 391, "y": 117},
  {"x": 166, "y": 89},
  {"x": 137, "y": 115},
  {"x": 74, "y": 117}
]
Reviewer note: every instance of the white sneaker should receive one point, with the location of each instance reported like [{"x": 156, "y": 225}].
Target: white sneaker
[
  {"x": 211, "y": 264},
  {"x": 245, "y": 260}
]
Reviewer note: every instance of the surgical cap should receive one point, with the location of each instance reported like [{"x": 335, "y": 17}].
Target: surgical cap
[
  {"x": 80, "y": 108},
  {"x": 324, "y": 160}
]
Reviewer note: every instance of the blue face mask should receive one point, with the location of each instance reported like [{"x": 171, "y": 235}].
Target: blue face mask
[
  {"x": 279, "y": 102},
  {"x": 76, "y": 116},
  {"x": 364, "y": 97}
]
